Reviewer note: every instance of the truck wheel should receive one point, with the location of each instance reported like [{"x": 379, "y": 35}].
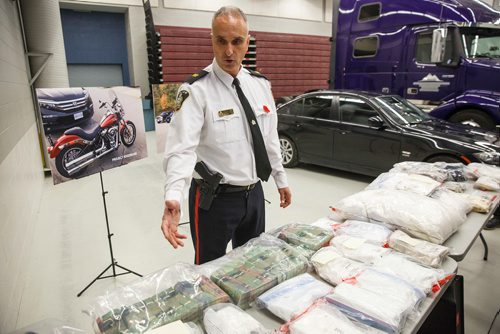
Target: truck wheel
[
  {"x": 474, "y": 117},
  {"x": 289, "y": 153}
]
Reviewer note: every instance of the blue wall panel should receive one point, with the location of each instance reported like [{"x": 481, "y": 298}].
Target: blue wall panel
[{"x": 95, "y": 38}]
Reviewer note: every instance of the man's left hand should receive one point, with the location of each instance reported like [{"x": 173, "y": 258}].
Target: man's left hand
[{"x": 285, "y": 197}]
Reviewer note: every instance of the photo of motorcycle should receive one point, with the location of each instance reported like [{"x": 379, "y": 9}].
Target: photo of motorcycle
[{"x": 77, "y": 148}]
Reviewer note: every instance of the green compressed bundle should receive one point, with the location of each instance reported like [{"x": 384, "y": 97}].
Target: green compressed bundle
[
  {"x": 305, "y": 235},
  {"x": 184, "y": 301},
  {"x": 260, "y": 268}
]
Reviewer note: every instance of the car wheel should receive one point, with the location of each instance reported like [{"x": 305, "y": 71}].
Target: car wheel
[
  {"x": 444, "y": 158},
  {"x": 289, "y": 154},
  {"x": 473, "y": 117}
]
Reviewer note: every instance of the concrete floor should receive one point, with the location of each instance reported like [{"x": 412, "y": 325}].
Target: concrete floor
[{"x": 71, "y": 248}]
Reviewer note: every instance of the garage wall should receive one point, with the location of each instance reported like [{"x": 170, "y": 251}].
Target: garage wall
[
  {"x": 293, "y": 63},
  {"x": 21, "y": 173},
  {"x": 96, "y": 38},
  {"x": 309, "y": 17}
]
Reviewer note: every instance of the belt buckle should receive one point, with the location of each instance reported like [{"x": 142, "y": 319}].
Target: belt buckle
[{"x": 249, "y": 187}]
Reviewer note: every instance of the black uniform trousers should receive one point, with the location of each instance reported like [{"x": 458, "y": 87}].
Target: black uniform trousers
[{"x": 234, "y": 216}]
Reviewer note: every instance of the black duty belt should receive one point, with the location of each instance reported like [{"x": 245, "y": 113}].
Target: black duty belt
[{"x": 229, "y": 188}]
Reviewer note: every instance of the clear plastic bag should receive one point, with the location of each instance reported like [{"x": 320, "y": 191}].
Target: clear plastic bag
[
  {"x": 257, "y": 266},
  {"x": 325, "y": 318},
  {"x": 487, "y": 183},
  {"x": 425, "y": 278},
  {"x": 178, "y": 292},
  {"x": 458, "y": 187},
  {"x": 479, "y": 200},
  {"x": 377, "y": 299},
  {"x": 326, "y": 222},
  {"x": 475, "y": 170},
  {"x": 335, "y": 268},
  {"x": 373, "y": 233},
  {"x": 358, "y": 249},
  {"x": 230, "y": 319},
  {"x": 293, "y": 296},
  {"x": 178, "y": 327},
  {"x": 416, "y": 183},
  {"x": 421, "y": 251},
  {"x": 306, "y": 235},
  {"x": 420, "y": 216},
  {"x": 422, "y": 168},
  {"x": 439, "y": 171},
  {"x": 453, "y": 201}
]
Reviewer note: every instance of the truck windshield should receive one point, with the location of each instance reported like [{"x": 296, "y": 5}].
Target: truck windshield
[
  {"x": 481, "y": 42},
  {"x": 401, "y": 110}
]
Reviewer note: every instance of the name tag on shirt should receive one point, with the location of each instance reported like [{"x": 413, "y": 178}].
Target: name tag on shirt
[{"x": 225, "y": 112}]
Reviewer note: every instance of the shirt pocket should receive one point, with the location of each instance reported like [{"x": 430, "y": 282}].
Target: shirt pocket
[
  {"x": 227, "y": 125},
  {"x": 264, "y": 120}
]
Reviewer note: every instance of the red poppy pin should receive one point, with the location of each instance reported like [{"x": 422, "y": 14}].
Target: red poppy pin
[{"x": 266, "y": 109}]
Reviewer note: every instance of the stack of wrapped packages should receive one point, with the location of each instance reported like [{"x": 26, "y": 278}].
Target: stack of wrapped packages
[{"x": 366, "y": 268}]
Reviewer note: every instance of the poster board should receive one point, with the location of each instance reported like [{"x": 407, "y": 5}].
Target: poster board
[
  {"x": 164, "y": 106},
  {"x": 91, "y": 129}
]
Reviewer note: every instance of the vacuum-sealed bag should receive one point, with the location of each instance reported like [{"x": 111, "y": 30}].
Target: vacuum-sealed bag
[
  {"x": 421, "y": 251},
  {"x": 420, "y": 216},
  {"x": 325, "y": 318},
  {"x": 290, "y": 298},
  {"x": 377, "y": 299},
  {"x": 306, "y": 235},
  {"x": 373, "y": 233},
  {"x": 358, "y": 249},
  {"x": 257, "y": 266},
  {"x": 178, "y": 292},
  {"x": 334, "y": 268},
  {"x": 230, "y": 319}
]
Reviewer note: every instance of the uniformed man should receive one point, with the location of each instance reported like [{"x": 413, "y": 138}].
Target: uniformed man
[{"x": 231, "y": 126}]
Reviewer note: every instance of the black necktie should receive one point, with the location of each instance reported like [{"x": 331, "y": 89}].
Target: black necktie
[{"x": 262, "y": 163}]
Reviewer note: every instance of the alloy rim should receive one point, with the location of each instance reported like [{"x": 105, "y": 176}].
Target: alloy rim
[{"x": 286, "y": 150}]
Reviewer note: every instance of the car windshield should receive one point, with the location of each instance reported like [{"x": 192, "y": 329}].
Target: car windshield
[
  {"x": 481, "y": 42},
  {"x": 400, "y": 110}
]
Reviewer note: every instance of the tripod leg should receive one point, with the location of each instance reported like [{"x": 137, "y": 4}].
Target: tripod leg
[
  {"x": 128, "y": 270},
  {"x": 95, "y": 279},
  {"x": 485, "y": 258}
]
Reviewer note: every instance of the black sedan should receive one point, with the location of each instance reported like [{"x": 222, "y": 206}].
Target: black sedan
[{"x": 368, "y": 133}]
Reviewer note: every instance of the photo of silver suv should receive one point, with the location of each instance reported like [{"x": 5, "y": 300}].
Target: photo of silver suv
[{"x": 64, "y": 108}]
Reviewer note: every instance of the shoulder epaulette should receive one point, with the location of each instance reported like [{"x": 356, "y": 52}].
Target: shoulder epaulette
[
  {"x": 257, "y": 74},
  {"x": 196, "y": 76}
]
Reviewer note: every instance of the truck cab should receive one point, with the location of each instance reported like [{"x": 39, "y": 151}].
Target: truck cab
[{"x": 443, "y": 55}]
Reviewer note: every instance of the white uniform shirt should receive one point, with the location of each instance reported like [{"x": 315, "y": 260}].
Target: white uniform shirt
[{"x": 211, "y": 126}]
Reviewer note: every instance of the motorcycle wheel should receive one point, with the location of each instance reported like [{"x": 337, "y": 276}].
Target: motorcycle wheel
[
  {"x": 67, "y": 155},
  {"x": 128, "y": 134}
]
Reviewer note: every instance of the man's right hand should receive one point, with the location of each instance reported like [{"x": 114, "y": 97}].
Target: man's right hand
[{"x": 170, "y": 223}]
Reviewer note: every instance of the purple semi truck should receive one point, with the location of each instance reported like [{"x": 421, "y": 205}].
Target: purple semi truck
[{"x": 443, "y": 55}]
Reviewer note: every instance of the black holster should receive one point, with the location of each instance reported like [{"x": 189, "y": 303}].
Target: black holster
[{"x": 208, "y": 185}]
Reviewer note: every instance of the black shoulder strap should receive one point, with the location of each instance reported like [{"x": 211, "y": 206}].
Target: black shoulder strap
[
  {"x": 257, "y": 74},
  {"x": 196, "y": 76}
]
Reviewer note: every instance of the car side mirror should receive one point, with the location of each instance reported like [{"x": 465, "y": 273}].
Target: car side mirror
[
  {"x": 376, "y": 121},
  {"x": 438, "y": 45}
]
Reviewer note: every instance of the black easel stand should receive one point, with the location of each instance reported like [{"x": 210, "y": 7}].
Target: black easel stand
[{"x": 113, "y": 261}]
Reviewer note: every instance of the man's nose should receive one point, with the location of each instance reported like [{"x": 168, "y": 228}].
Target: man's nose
[{"x": 229, "y": 50}]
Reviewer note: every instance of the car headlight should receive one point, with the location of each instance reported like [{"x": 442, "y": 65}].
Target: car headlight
[
  {"x": 47, "y": 105},
  {"x": 491, "y": 158}
]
